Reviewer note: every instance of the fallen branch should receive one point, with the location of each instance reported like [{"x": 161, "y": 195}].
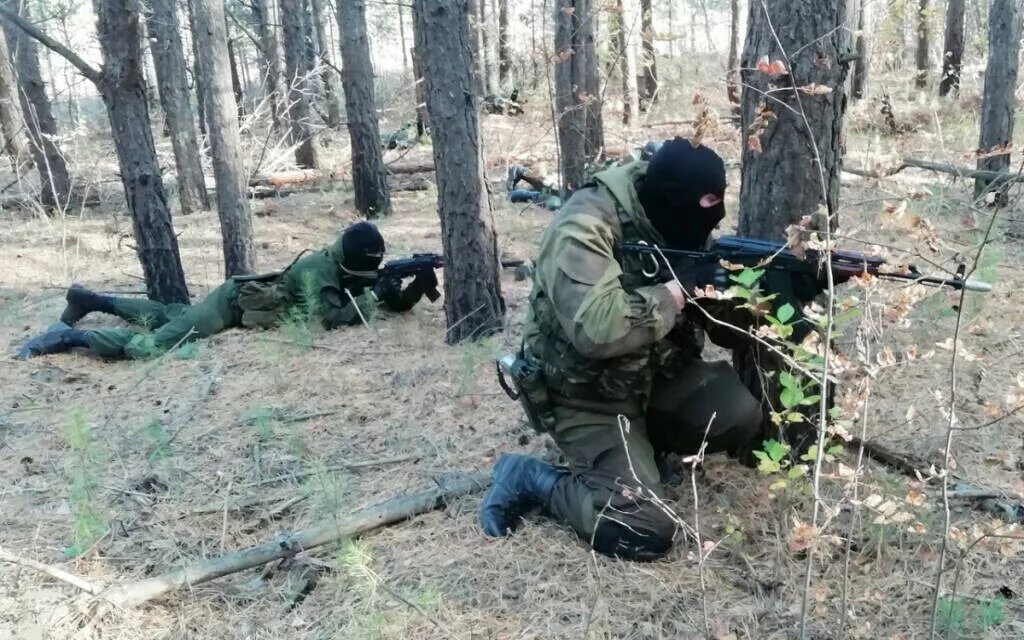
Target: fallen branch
[
  {"x": 385, "y": 513},
  {"x": 53, "y": 572},
  {"x": 961, "y": 172}
]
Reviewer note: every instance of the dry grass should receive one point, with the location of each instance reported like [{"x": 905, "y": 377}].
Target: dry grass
[{"x": 235, "y": 409}]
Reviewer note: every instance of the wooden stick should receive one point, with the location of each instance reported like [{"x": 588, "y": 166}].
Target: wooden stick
[
  {"x": 385, "y": 513},
  {"x": 961, "y": 172},
  {"x": 53, "y": 572}
]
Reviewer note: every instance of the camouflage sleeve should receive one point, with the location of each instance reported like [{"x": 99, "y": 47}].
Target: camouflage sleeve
[
  {"x": 338, "y": 311},
  {"x": 578, "y": 271}
]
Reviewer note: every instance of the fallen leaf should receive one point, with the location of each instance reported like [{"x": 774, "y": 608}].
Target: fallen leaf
[
  {"x": 802, "y": 536},
  {"x": 915, "y": 497},
  {"x": 754, "y": 143}
]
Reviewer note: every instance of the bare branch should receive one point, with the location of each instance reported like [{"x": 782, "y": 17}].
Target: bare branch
[
  {"x": 53, "y": 572},
  {"x": 84, "y": 67}
]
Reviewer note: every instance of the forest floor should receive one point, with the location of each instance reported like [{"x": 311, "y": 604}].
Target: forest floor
[{"x": 138, "y": 467}]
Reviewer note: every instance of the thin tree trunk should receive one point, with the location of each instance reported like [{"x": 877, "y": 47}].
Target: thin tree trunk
[
  {"x": 577, "y": 98},
  {"x": 401, "y": 34},
  {"x": 473, "y": 304},
  {"x": 197, "y": 77},
  {"x": 620, "y": 23},
  {"x": 169, "y": 62},
  {"x": 272, "y": 59},
  {"x": 327, "y": 76},
  {"x": 474, "y": 45},
  {"x": 10, "y": 113},
  {"x": 789, "y": 177},
  {"x": 310, "y": 50},
  {"x": 732, "y": 74},
  {"x": 535, "y": 60},
  {"x": 707, "y": 26},
  {"x": 861, "y": 64},
  {"x": 921, "y": 54},
  {"x": 649, "y": 88},
  {"x": 999, "y": 103},
  {"x": 504, "y": 54},
  {"x": 369, "y": 178},
  {"x": 296, "y": 75},
  {"x": 236, "y": 84},
  {"x": 485, "y": 47},
  {"x": 148, "y": 72},
  {"x": 55, "y": 184},
  {"x": 953, "y": 47},
  {"x": 123, "y": 88},
  {"x": 225, "y": 143}
]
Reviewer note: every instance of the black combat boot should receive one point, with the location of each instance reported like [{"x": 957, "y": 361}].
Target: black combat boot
[
  {"x": 514, "y": 175},
  {"x": 519, "y": 483},
  {"x": 57, "y": 339},
  {"x": 82, "y": 301}
]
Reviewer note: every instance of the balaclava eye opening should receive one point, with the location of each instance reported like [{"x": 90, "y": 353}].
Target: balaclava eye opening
[
  {"x": 677, "y": 177},
  {"x": 362, "y": 249}
]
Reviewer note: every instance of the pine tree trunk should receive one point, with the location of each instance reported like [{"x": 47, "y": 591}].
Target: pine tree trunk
[
  {"x": 998, "y": 102},
  {"x": 504, "y": 54},
  {"x": 169, "y": 61},
  {"x": 534, "y": 54},
  {"x": 422, "y": 121},
  {"x": 369, "y": 178},
  {"x": 236, "y": 84},
  {"x": 790, "y": 177},
  {"x": 953, "y": 47},
  {"x": 327, "y": 76},
  {"x": 480, "y": 71},
  {"x": 577, "y": 98},
  {"x": 619, "y": 22},
  {"x": 401, "y": 34},
  {"x": 10, "y": 113},
  {"x": 311, "y": 52},
  {"x": 225, "y": 143},
  {"x": 197, "y": 77},
  {"x": 921, "y": 54},
  {"x": 473, "y": 304},
  {"x": 649, "y": 88},
  {"x": 485, "y": 48},
  {"x": 296, "y": 75},
  {"x": 272, "y": 60},
  {"x": 55, "y": 184},
  {"x": 861, "y": 64},
  {"x": 732, "y": 74},
  {"x": 123, "y": 89}
]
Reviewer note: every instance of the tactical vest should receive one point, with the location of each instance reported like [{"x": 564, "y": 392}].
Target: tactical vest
[{"x": 621, "y": 384}]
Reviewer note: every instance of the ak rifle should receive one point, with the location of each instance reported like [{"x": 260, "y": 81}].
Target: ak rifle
[{"x": 756, "y": 253}]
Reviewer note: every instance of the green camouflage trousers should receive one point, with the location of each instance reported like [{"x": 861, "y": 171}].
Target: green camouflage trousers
[
  {"x": 599, "y": 499},
  {"x": 170, "y": 323}
]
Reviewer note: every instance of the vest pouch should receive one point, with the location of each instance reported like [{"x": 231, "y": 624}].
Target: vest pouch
[{"x": 263, "y": 304}]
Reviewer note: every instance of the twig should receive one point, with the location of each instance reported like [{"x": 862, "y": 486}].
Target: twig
[
  {"x": 185, "y": 419},
  {"x": 355, "y": 305},
  {"x": 695, "y": 461},
  {"x": 83, "y": 67},
  {"x": 53, "y": 572},
  {"x": 348, "y": 466}
]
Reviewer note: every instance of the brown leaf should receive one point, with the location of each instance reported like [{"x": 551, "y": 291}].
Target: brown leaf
[
  {"x": 802, "y": 536},
  {"x": 813, "y": 89},
  {"x": 754, "y": 144}
]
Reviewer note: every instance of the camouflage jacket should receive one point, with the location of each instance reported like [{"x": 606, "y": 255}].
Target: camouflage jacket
[{"x": 599, "y": 329}]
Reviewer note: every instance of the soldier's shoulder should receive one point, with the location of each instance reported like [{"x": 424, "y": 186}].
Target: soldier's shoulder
[{"x": 591, "y": 205}]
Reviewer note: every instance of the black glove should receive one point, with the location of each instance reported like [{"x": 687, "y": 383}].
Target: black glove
[
  {"x": 699, "y": 275},
  {"x": 386, "y": 288},
  {"x": 425, "y": 283}
]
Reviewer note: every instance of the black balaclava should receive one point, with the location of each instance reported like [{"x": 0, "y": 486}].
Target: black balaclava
[
  {"x": 677, "y": 177},
  {"x": 362, "y": 248}
]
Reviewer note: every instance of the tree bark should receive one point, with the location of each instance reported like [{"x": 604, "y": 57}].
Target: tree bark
[
  {"x": 953, "y": 47},
  {"x": 480, "y": 72},
  {"x": 197, "y": 77},
  {"x": 369, "y": 178},
  {"x": 861, "y": 64},
  {"x": 169, "y": 61},
  {"x": 504, "y": 54},
  {"x": 649, "y": 87},
  {"x": 123, "y": 89},
  {"x": 732, "y": 73},
  {"x": 327, "y": 76},
  {"x": 798, "y": 169},
  {"x": 577, "y": 92},
  {"x": 401, "y": 37},
  {"x": 11, "y": 121},
  {"x": 473, "y": 304},
  {"x": 272, "y": 58},
  {"x": 55, "y": 184},
  {"x": 998, "y": 102},
  {"x": 295, "y": 62},
  {"x": 422, "y": 121},
  {"x": 921, "y": 53},
  {"x": 225, "y": 143}
]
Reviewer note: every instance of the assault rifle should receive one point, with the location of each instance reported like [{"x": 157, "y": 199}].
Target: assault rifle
[
  {"x": 421, "y": 262},
  {"x": 752, "y": 252}
]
